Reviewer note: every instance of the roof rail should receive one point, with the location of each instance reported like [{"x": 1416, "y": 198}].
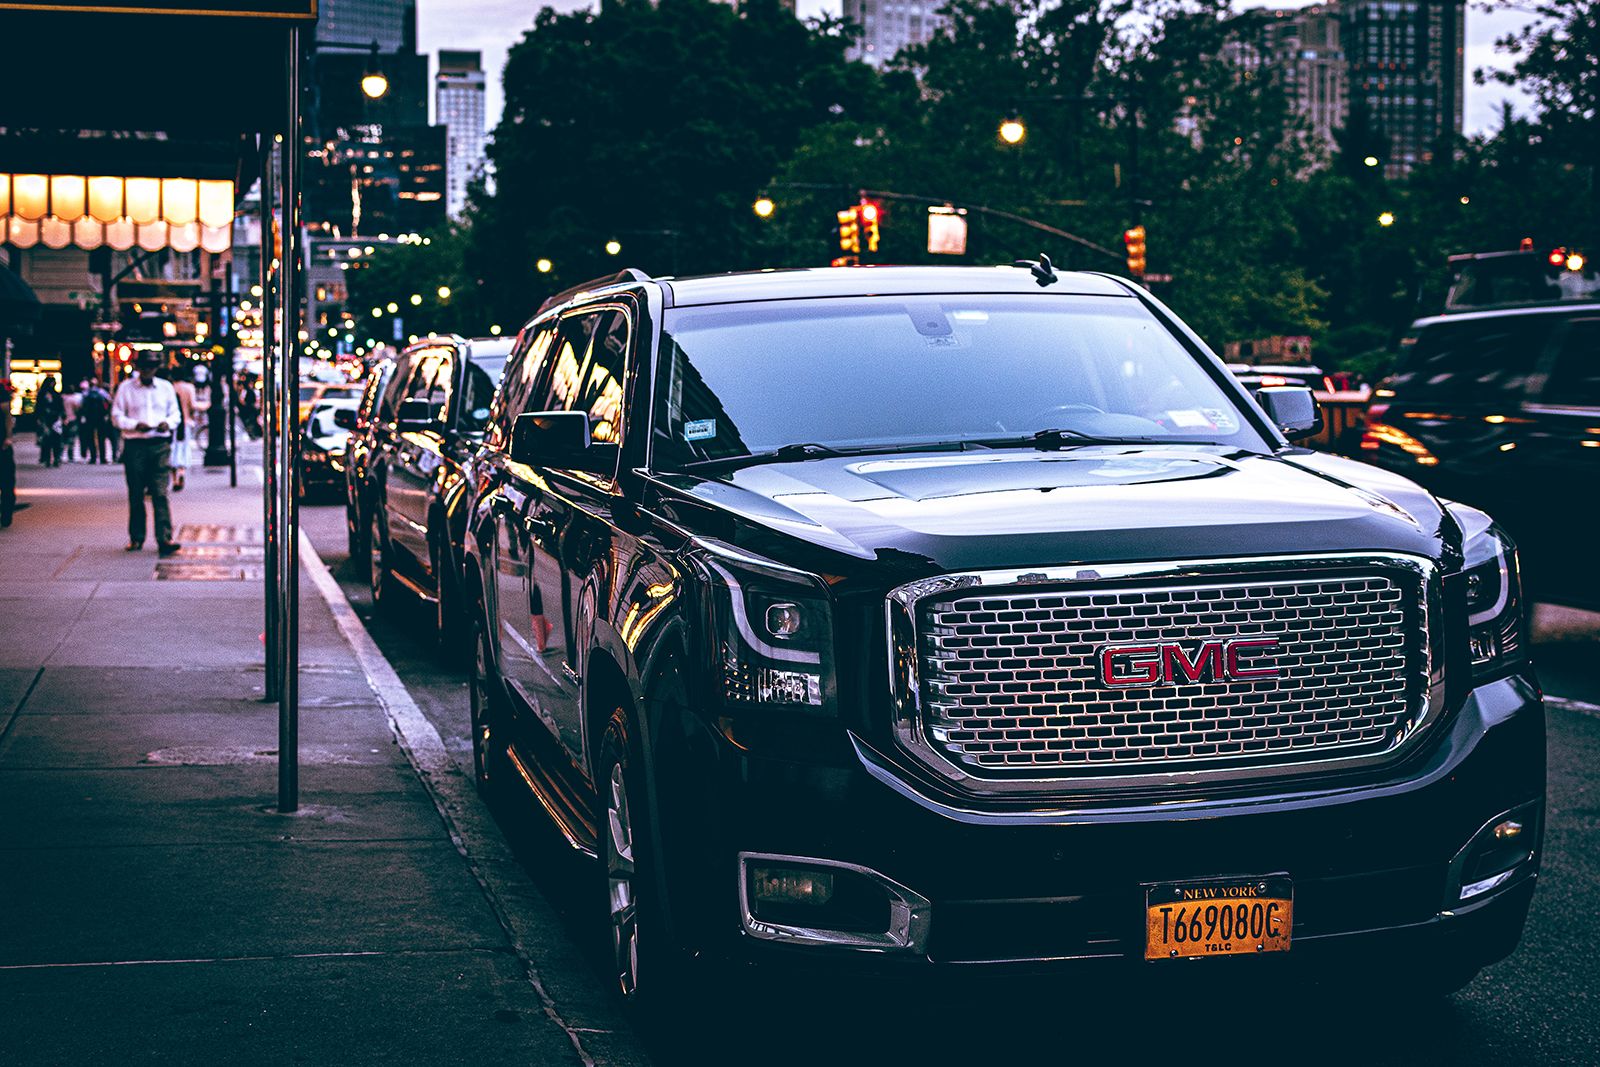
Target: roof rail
[{"x": 627, "y": 274}]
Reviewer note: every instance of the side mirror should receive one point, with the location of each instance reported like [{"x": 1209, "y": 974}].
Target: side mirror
[
  {"x": 1293, "y": 409},
  {"x": 560, "y": 439},
  {"x": 414, "y": 414},
  {"x": 344, "y": 418}
]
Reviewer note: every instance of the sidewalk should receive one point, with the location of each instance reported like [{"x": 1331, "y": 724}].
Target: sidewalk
[{"x": 155, "y": 906}]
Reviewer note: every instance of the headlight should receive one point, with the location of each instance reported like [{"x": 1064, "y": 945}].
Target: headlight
[
  {"x": 1495, "y": 619},
  {"x": 774, "y": 633}
]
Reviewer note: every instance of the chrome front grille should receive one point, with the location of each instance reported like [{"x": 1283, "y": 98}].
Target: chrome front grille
[{"x": 1010, "y": 679}]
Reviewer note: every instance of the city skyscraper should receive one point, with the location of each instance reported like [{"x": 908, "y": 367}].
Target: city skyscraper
[
  {"x": 887, "y": 26},
  {"x": 459, "y": 108},
  {"x": 359, "y": 22},
  {"x": 1407, "y": 68},
  {"x": 1303, "y": 49}
]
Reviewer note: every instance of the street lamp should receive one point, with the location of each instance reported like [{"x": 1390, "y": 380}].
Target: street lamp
[
  {"x": 1386, "y": 219},
  {"x": 392, "y": 307},
  {"x": 416, "y": 299},
  {"x": 1371, "y": 161},
  {"x": 764, "y": 207},
  {"x": 374, "y": 85},
  {"x": 544, "y": 266},
  {"x": 444, "y": 292},
  {"x": 613, "y": 247},
  {"x": 1012, "y": 131}
]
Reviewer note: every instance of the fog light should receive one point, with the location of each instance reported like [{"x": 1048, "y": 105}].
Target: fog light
[
  {"x": 788, "y": 885},
  {"x": 783, "y": 620}
]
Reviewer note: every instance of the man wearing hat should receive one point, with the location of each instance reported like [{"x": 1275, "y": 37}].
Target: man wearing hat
[{"x": 146, "y": 411}]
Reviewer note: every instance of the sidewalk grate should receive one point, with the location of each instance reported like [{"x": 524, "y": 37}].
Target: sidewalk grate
[
  {"x": 243, "y": 553},
  {"x": 182, "y": 571},
  {"x": 210, "y": 533}
]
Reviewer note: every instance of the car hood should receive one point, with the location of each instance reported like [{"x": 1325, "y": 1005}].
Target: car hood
[{"x": 951, "y": 511}]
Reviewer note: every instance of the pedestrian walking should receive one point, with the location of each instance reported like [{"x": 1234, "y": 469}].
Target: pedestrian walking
[
  {"x": 146, "y": 411},
  {"x": 8, "y": 459},
  {"x": 47, "y": 414},
  {"x": 94, "y": 420},
  {"x": 184, "y": 388},
  {"x": 69, "y": 422}
]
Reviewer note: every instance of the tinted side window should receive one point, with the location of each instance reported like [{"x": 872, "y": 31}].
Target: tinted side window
[
  {"x": 1486, "y": 359},
  {"x": 370, "y": 396},
  {"x": 478, "y": 384},
  {"x": 1575, "y": 378},
  {"x": 390, "y": 404},
  {"x": 558, "y": 389},
  {"x": 523, "y": 369},
  {"x": 601, "y": 392}
]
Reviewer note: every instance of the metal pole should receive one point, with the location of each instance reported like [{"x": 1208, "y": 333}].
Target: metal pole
[
  {"x": 269, "y": 415},
  {"x": 288, "y": 443}
]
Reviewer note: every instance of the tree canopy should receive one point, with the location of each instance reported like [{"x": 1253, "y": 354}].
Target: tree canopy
[{"x": 652, "y": 128}]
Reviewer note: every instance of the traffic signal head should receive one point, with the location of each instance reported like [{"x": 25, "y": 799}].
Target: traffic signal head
[
  {"x": 869, "y": 212},
  {"x": 1557, "y": 257},
  {"x": 1133, "y": 239},
  {"x": 850, "y": 230}
]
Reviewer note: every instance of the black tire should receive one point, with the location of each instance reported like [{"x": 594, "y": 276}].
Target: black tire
[
  {"x": 490, "y": 766},
  {"x": 653, "y": 976},
  {"x": 380, "y": 579},
  {"x": 355, "y": 534}
]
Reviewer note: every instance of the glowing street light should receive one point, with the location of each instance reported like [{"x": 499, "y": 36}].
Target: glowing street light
[
  {"x": 1371, "y": 161},
  {"x": 764, "y": 207},
  {"x": 1012, "y": 131},
  {"x": 1575, "y": 261},
  {"x": 444, "y": 292},
  {"x": 544, "y": 266},
  {"x": 613, "y": 247},
  {"x": 374, "y": 85},
  {"x": 392, "y": 307},
  {"x": 416, "y": 299},
  {"x": 1386, "y": 219},
  {"x": 377, "y": 313}
]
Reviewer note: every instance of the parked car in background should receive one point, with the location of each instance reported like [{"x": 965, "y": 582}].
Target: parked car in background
[
  {"x": 432, "y": 417},
  {"x": 312, "y": 391},
  {"x": 357, "y": 487},
  {"x": 323, "y": 440},
  {"x": 1501, "y": 409},
  {"x": 970, "y": 618}
]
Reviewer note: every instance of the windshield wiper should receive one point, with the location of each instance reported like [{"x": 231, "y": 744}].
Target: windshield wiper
[
  {"x": 797, "y": 453},
  {"x": 1053, "y": 440}
]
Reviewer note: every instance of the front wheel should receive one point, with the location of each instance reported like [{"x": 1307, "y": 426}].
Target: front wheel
[
  {"x": 651, "y": 973},
  {"x": 379, "y": 577},
  {"x": 487, "y": 708}
]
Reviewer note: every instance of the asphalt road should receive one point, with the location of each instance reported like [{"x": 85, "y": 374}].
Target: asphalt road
[{"x": 1541, "y": 1006}]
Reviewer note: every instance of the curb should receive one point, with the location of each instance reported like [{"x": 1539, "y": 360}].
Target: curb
[{"x": 454, "y": 795}]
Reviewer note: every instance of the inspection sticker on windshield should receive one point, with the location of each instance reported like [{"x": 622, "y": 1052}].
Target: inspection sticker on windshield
[
  {"x": 1189, "y": 419},
  {"x": 699, "y": 429}
]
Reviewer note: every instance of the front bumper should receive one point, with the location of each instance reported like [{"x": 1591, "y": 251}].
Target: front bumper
[{"x": 1372, "y": 863}]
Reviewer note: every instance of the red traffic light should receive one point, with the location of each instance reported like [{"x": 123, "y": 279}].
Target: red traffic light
[
  {"x": 869, "y": 211},
  {"x": 1557, "y": 257}
]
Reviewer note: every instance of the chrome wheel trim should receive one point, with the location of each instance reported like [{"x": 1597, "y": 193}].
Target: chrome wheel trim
[
  {"x": 481, "y": 727},
  {"x": 375, "y": 560},
  {"x": 619, "y": 879}
]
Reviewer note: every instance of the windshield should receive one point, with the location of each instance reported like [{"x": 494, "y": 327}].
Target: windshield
[{"x": 867, "y": 372}]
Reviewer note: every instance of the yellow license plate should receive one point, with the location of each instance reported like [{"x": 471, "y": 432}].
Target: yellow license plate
[{"x": 1218, "y": 917}]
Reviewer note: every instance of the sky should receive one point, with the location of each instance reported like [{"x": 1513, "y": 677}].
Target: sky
[{"x": 492, "y": 26}]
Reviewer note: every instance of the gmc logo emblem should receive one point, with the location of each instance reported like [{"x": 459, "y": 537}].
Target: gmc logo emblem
[{"x": 1241, "y": 660}]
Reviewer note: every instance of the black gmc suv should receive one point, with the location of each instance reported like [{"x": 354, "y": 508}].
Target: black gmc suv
[{"x": 890, "y": 617}]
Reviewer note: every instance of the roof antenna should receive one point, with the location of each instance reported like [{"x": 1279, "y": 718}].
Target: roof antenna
[{"x": 1041, "y": 269}]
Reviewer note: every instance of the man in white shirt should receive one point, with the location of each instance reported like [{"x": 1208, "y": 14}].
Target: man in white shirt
[{"x": 146, "y": 412}]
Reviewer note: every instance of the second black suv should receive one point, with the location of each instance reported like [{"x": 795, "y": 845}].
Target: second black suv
[
  {"x": 439, "y": 394},
  {"x": 924, "y": 617}
]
